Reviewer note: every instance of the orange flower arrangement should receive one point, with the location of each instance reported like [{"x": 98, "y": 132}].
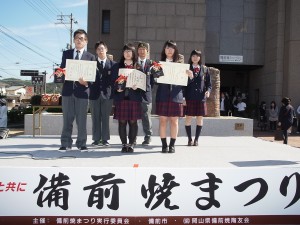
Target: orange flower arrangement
[
  {"x": 60, "y": 72},
  {"x": 46, "y": 98},
  {"x": 156, "y": 70},
  {"x": 121, "y": 79}
]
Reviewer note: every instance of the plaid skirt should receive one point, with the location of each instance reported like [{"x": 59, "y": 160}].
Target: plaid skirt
[
  {"x": 195, "y": 108},
  {"x": 170, "y": 109},
  {"x": 127, "y": 110}
]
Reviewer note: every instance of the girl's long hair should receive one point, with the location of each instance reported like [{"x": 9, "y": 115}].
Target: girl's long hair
[
  {"x": 170, "y": 44},
  {"x": 195, "y": 52}
]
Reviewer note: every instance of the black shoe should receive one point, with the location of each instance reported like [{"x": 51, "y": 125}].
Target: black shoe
[
  {"x": 97, "y": 143},
  {"x": 124, "y": 148},
  {"x": 83, "y": 148},
  {"x": 195, "y": 143},
  {"x": 171, "y": 149},
  {"x": 190, "y": 143},
  {"x": 146, "y": 142},
  {"x": 105, "y": 143},
  {"x": 65, "y": 148},
  {"x": 164, "y": 149},
  {"x": 130, "y": 149}
]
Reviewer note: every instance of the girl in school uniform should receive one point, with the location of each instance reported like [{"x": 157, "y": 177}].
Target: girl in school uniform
[
  {"x": 127, "y": 101},
  {"x": 196, "y": 92},
  {"x": 169, "y": 101}
]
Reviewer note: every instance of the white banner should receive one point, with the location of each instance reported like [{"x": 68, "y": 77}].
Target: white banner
[
  {"x": 143, "y": 192},
  {"x": 134, "y": 77},
  {"x": 80, "y": 68},
  {"x": 174, "y": 73}
]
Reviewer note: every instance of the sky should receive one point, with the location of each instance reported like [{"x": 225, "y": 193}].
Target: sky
[{"x": 31, "y": 39}]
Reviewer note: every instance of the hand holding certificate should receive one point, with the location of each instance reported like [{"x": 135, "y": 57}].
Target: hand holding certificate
[
  {"x": 76, "y": 69},
  {"x": 174, "y": 73},
  {"x": 135, "y": 78}
]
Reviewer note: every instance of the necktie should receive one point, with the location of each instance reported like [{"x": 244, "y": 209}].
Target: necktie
[
  {"x": 77, "y": 55},
  {"x": 101, "y": 64},
  {"x": 142, "y": 64}
]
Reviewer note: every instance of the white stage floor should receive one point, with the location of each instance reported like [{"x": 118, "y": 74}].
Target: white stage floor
[{"x": 212, "y": 152}]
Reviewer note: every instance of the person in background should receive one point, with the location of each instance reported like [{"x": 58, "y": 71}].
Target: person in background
[
  {"x": 224, "y": 104},
  {"x": 144, "y": 64},
  {"x": 196, "y": 93},
  {"x": 169, "y": 100},
  {"x": 298, "y": 118},
  {"x": 241, "y": 107},
  {"x": 263, "y": 116},
  {"x": 101, "y": 96},
  {"x": 273, "y": 115},
  {"x": 75, "y": 96},
  {"x": 285, "y": 118},
  {"x": 3, "y": 113},
  {"x": 127, "y": 101}
]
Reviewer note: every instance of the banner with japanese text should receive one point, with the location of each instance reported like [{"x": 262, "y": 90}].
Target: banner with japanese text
[{"x": 149, "y": 195}]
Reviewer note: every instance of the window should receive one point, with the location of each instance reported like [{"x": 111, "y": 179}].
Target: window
[{"x": 105, "y": 21}]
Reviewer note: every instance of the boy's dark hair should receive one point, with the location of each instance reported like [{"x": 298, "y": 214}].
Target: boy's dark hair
[
  {"x": 286, "y": 100},
  {"x": 100, "y": 43},
  {"x": 80, "y": 31}
]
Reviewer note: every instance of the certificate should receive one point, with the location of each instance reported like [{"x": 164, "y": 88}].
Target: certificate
[
  {"x": 134, "y": 77},
  {"x": 80, "y": 68},
  {"x": 174, "y": 73}
]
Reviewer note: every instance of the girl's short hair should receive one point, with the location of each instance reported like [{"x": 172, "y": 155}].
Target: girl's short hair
[{"x": 130, "y": 47}]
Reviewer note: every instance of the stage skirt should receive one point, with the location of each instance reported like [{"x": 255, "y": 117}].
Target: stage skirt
[
  {"x": 195, "y": 108},
  {"x": 170, "y": 109},
  {"x": 127, "y": 110}
]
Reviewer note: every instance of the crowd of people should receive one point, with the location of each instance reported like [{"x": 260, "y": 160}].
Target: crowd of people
[{"x": 132, "y": 103}]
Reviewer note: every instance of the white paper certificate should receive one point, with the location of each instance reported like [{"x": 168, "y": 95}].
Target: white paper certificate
[
  {"x": 80, "y": 68},
  {"x": 134, "y": 77},
  {"x": 174, "y": 73}
]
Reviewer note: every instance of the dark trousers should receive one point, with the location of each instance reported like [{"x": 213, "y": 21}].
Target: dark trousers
[{"x": 285, "y": 136}]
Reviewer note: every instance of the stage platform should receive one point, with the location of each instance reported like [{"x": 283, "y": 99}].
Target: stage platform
[
  {"x": 212, "y": 152},
  {"x": 42, "y": 185}
]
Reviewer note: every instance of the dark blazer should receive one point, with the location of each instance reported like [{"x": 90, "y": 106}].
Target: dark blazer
[
  {"x": 104, "y": 82},
  {"x": 71, "y": 87},
  {"x": 169, "y": 92},
  {"x": 128, "y": 93},
  {"x": 193, "y": 89},
  {"x": 147, "y": 95},
  {"x": 285, "y": 116}
]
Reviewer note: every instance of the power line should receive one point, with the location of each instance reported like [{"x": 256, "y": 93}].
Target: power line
[
  {"x": 39, "y": 11},
  {"x": 42, "y": 50},
  {"x": 31, "y": 49},
  {"x": 51, "y": 4}
]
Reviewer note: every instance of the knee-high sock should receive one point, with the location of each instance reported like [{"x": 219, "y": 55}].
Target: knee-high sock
[
  {"x": 122, "y": 131},
  {"x": 172, "y": 141},
  {"x": 164, "y": 142},
  {"x": 133, "y": 130},
  {"x": 188, "y": 130},
  {"x": 198, "y": 132}
]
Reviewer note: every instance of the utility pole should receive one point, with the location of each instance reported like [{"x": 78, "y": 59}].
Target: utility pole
[{"x": 61, "y": 19}]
